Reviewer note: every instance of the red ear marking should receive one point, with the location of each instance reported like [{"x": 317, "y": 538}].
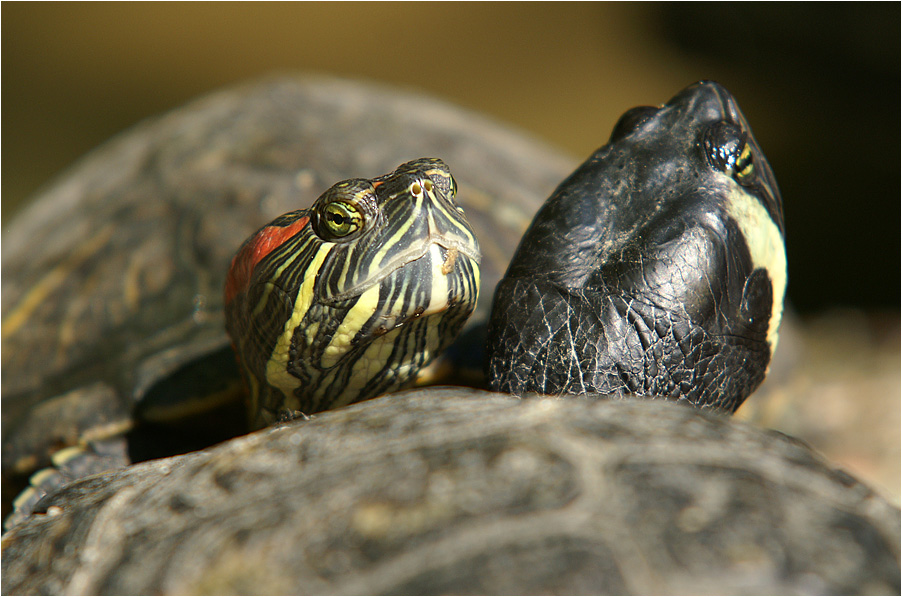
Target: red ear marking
[{"x": 255, "y": 249}]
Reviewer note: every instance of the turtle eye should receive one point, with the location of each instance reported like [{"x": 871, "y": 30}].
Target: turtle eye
[
  {"x": 727, "y": 149},
  {"x": 744, "y": 166},
  {"x": 339, "y": 220},
  {"x": 447, "y": 185},
  {"x": 630, "y": 121},
  {"x": 439, "y": 178},
  {"x": 449, "y": 188}
]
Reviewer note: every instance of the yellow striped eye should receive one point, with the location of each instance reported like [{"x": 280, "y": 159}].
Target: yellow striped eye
[
  {"x": 728, "y": 149},
  {"x": 340, "y": 219},
  {"x": 744, "y": 166}
]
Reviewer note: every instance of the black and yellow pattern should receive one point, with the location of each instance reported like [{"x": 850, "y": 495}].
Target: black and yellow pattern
[{"x": 351, "y": 298}]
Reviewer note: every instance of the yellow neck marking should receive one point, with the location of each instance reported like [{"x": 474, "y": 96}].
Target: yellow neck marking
[{"x": 766, "y": 247}]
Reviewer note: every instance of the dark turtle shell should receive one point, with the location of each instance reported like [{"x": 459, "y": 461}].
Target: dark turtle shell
[
  {"x": 113, "y": 276},
  {"x": 456, "y": 491}
]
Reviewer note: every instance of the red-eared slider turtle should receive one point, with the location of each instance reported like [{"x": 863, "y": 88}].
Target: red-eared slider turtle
[
  {"x": 350, "y": 299},
  {"x": 455, "y": 490},
  {"x": 119, "y": 317}
]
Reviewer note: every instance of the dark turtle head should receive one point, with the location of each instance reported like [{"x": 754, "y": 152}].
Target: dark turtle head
[
  {"x": 351, "y": 298},
  {"x": 673, "y": 233},
  {"x": 702, "y": 133}
]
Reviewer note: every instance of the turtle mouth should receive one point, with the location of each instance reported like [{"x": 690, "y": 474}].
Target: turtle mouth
[
  {"x": 445, "y": 256},
  {"x": 451, "y": 245},
  {"x": 438, "y": 291}
]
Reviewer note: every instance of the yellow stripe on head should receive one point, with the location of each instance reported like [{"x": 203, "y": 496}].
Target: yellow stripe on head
[
  {"x": 276, "y": 368},
  {"x": 359, "y": 314}
]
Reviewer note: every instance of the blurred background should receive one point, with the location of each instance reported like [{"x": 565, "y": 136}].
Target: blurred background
[{"x": 818, "y": 82}]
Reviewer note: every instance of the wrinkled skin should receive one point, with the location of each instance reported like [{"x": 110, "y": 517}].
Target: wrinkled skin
[{"x": 657, "y": 268}]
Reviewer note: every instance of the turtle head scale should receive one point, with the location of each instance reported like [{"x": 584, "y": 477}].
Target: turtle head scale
[{"x": 657, "y": 268}]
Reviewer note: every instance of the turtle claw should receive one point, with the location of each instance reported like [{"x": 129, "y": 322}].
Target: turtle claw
[
  {"x": 289, "y": 416},
  {"x": 69, "y": 465}
]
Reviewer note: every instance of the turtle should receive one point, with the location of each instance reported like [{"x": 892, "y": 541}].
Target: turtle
[
  {"x": 114, "y": 335},
  {"x": 657, "y": 268},
  {"x": 351, "y": 298},
  {"x": 455, "y": 490}
]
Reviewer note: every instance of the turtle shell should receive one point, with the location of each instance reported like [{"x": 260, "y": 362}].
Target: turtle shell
[
  {"x": 457, "y": 491},
  {"x": 113, "y": 276}
]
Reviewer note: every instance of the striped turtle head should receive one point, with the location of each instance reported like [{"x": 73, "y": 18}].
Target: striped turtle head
[{"x": 351, "y": 298}]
